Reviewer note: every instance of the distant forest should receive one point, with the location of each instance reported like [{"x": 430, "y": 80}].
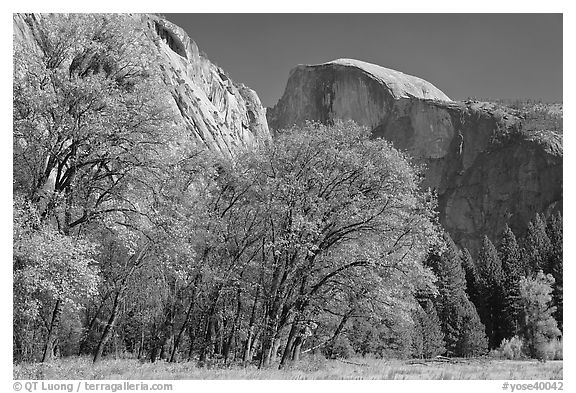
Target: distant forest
[{"x": 536, "y": 114}]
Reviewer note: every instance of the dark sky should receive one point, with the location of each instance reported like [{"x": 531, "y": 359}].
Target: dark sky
[{"x": 464, "y": 55}]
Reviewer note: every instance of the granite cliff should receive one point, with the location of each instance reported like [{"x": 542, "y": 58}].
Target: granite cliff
[
  {"x": 216, "y": 111},
  {"x": 487, "y": 169}
]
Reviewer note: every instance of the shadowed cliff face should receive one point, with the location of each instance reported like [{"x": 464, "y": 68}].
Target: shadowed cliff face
[
  {"x": 216, "y": 111},
  {"x": 486, "y": 170}
]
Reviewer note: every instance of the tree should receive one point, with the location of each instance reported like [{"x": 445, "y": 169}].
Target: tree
[
  {"x": 90, "y": 128},
  {"x": 162, "y": 244},
  {"x": 353, "y": 208},
  {"x": 334, "y": 203},
  {"x": 512, "y": 269},
  {"x": 472, "y": 340},
  {"x": 510, "y": 255},
  {"x": 463, "y": 333},
  {"x": 554, "y": 231},
  {"x": 539, "y": 326},
  {"x": 382, "y": 337},
  {"x": 537, "y": 246},
  {"x": 88, "y": 114},
  {"x": 131, "y": 261},
  {"x": 472, "y": 277},
  {"x": 427, "y": 336},
  {"x": 491, "y": 308},
  {"x": 51, "y": 271}
]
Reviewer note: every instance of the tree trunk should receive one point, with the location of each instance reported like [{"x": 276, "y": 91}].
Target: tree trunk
[
  {"x": 267, "y": 344},
  {"x": 250, "y": 339},
  {"x": 294, "y": 338},
  {"x": 210, "y": 332},
  {"x": 255, "y": 344},
  {"x": 270, "y": 333},
  {"x": 297, "y": 348},
  {"x": 116, "y": 351},
  {"x": 141, "y": 349},
  {"x": 340, "y": 327},
  {"x": 335, "y": 335},
  {"x": 187, "y": 318},
  {"x": 108, "y": 329},
  {"x": 92, "y": 325},
  {"x": 276, "y": 346},
  {"x": 232, "y": 334},
  {"x": 219, "y": 328},
  {"x": 192, "y": 337},
  {"x": 208, "y": 344},
  {"x": 154, "y": 350},
  {"x": 272, "y": 345},
  {"x": 165, "y": 345},
  {"x": 52, "y": 332},
  {"x": 137, "y": 259},
  {"x": 166, "y": 333},
  {"x": 289, "y": 344},
  {"x": 272, "y": 314}
]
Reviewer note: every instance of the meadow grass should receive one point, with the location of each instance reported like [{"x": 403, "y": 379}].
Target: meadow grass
[{"x": 82, "y": 368}]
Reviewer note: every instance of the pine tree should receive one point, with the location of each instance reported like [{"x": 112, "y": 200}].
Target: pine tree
[
  {"x": 418, "y": 332},
  {"x": 512, "y": 270},
  {"x": 451, "y": 276},
  {"x": 471, "y": 274},
  {"x": 473, "y": 340},
  {"x": 462, "y": 333},
  {"x": 510, "y": 256},
  {"x": 433, "y": 340},
  {"x": 427, "y": 336},
  {"x": 554, "y": 231},
  {"x": 537, "y": 246},
  {"x": 491, "y": 309}
]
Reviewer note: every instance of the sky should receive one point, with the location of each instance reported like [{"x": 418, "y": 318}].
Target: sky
[{"x": 492, "y": 56}]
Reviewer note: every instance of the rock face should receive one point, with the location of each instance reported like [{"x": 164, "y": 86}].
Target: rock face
[
  {"x": 220, "y": 113},
  {"x": 217, "y": 112},
  {"x": 486, "y": 170},
  {"x": 346, "y": 88}
]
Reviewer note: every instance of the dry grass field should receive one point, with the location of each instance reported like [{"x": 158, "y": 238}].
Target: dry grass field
[{"x": 82, "y": 368}]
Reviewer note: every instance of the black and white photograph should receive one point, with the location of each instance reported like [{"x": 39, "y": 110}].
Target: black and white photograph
[{"x": 286, "y": 196}]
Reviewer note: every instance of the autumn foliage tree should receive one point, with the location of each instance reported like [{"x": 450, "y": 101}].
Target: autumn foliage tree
[
  {"x": 87, "y": 118},
  {"x": 250, "y": 255},
  {"x": 334, "y": 203},
  {"x": 556, "y": 265},
  {"x": 87, "y": 112},
  {"x": 539, "y": 326},
  {"x": 51, "y": 271}
]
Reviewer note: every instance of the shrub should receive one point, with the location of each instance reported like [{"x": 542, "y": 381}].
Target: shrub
[
  {"x": 341, "y": 348},
  {"x": 553, "y": 349},
  {"x": 511, "y": 349}
]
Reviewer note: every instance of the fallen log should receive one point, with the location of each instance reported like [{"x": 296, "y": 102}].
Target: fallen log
[{"x": 356, "y": 364}]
